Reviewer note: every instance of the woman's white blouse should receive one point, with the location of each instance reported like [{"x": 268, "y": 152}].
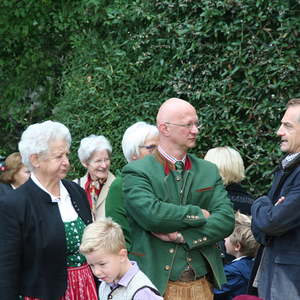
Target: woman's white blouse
[{"x": 66, "y": 209}]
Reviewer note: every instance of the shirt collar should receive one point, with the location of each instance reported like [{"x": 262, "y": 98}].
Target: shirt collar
[
  {"x": 169, "y": 157},
  {"x": 63, "y": 191},
  {"x": 126, "y": 278},
  {"x": 288, "y": 159},
  {"x": 241, "y": 257}
]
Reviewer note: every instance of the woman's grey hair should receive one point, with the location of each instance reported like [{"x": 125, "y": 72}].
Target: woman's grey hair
[
  {"x": 36, "y": 138},
  {"x": 135, "y": 136},
  {"x": 91, "y": 144}
]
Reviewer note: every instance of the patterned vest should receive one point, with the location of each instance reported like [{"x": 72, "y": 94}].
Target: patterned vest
[{"x": 138, "y": 281}]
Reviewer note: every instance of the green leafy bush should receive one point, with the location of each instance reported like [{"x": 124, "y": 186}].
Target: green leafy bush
[{"x": 115, "y": 62}]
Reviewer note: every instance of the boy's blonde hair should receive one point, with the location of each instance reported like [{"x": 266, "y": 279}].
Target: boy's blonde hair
[
  {"x": 229, "y": 163},
  {"x": 104, "y": 234},
  {"x": 243, "y": 235}
]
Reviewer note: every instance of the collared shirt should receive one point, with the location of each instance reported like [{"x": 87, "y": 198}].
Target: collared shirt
[
  {"x": 66, "y": 209},
  {"x": 169, "y": 157},
  {"x": 288, "y": 159},
  {"x": 236, "y": 259},
  {"x": 143, "y": 294}
]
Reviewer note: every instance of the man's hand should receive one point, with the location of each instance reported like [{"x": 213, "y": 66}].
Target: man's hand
[
  {"x": 174, "y": 237},
  {"x": 205, "y": 212}
]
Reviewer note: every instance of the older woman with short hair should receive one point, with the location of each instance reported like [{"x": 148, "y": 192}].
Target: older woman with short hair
[
  {"x": 139, "y": 140},
  {"x": 41, "y": 224},
  {"x": 13, "y": 173},
  {"x": 94, "y": 154}
]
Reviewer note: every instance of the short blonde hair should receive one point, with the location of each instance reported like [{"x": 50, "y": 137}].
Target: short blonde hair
[
  {"x": 243, "y": 235},
  {"x": 229, "y": 163},
  {"x": 104, "y": 234}
]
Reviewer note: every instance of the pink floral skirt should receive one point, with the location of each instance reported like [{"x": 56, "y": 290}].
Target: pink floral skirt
[{"x": 81, "y": 285}]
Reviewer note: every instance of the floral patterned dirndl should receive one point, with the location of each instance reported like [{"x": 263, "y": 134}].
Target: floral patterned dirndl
[{"x": 81, "y": 284}]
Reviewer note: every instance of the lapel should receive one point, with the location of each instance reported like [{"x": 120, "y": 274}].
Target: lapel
[
  {"x": 187, "y": 182},
  {"x": 79, "y": 201},
  {"x": 282, "y": 177},
  {"x": 103, "y": 194},
  {"x": 171, "y": 185}
]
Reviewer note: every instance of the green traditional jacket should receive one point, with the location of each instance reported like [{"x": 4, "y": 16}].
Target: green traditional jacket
[{"x": 155, "y": 203}]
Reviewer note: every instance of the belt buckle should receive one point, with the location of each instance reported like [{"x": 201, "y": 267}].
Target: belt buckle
[{"x": 187, "y": 275}]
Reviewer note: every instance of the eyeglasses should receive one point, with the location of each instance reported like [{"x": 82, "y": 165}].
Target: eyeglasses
[
  {"x": 189, "y": 125},
  {"x": 149, "y": 148}
]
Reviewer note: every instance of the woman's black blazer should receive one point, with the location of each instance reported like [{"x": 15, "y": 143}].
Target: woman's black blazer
[{"x": 33, "y": 242}]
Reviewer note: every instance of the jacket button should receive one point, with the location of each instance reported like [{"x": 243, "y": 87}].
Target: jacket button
[
  {"x": 167, "y": 267},
  {"x": 171, "y": 250},
  {"x": 189, "y": 259}
]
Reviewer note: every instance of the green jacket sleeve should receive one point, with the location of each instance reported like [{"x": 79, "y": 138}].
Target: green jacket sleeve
[
  {"x": 219, "y": 224},
  {"x": 114, "y": 208}
]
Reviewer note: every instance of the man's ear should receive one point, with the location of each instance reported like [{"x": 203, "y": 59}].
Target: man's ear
[
  {"x": 34, "y": 159},
  {"x": 164, "y": 129}
]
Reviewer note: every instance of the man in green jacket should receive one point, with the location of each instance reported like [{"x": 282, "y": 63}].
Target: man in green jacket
[{"x": 178, "y": 210}]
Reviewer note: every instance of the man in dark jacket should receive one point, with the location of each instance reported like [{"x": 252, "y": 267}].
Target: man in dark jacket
[{"x": 276, "y": 218}]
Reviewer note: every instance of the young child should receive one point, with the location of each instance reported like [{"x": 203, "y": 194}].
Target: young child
[
  {"x": 242, "y": 245},
  {"x": 103, "y": 245}
]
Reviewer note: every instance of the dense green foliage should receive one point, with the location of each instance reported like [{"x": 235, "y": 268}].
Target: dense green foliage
[{"x": 99, "y": 66}]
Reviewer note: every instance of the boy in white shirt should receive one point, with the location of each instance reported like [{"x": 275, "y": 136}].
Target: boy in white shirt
[{"x": 103, "y": 245}]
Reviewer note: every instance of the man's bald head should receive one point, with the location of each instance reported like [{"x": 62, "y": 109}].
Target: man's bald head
[{"x": 173, "y": 109}]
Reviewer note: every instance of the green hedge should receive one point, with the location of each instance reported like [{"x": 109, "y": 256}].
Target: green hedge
[{"x": 115, "y": 62}]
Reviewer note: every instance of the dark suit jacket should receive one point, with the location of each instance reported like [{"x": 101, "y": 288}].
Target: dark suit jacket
[
  {"x": 277, "y": 227},
  {"x": 33, "y": 243}
]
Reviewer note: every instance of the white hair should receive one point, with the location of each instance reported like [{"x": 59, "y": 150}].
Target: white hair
[
  {"x": 91, "y": 144},
  {"x": 36, "y": 138},
  {"x": 135, "y": 136}
]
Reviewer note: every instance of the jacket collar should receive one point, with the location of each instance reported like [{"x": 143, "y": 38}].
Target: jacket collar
[{"x": 168, "y": 166}]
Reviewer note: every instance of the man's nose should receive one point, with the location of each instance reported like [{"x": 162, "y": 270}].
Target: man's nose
[{"x": 280, "y": 132}]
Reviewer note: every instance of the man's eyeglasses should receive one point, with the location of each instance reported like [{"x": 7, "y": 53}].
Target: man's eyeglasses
[
  {"x": 189, "y": 125},
  {"x": 149, "y": 148}
]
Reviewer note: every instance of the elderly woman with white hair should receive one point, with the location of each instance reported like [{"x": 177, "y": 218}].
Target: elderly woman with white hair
[
  {"x": 94, "y": 154},
  {"x": 139, "y": 140},
  {"x": 41, "y": 224}
]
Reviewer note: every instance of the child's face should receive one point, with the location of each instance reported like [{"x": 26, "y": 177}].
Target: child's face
[{"x": 107, "y": 266}]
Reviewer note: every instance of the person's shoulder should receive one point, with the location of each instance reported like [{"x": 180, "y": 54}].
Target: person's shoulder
[
  {"x": 116, "y": 182},
  {"x": 141, "y": 164},
  {"x": 72, "y": 185},
  {"x": 237, "y": 265},
  {"x": 201, "y": 163},
  {"x": 5, "y": 188},
  {"x": 23, "y": 194}
]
